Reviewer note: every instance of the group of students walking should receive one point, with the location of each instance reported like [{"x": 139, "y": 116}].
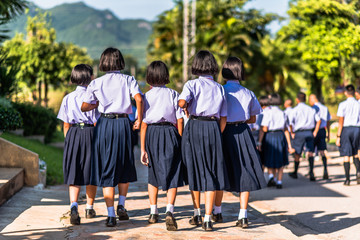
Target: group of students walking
[{"x": 215, "y": 151}]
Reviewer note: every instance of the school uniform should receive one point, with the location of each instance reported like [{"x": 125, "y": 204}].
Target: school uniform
[
  {"x": 349, "y": 139},
  {"x": 287, "y": 112},
  {"x": 241, "y": 156},
  {"x": 78, "y": 141},
  {"x": 274, "y": 145},
  {"x": 303, "y": 119},
  {"x": 163, "y": 142},
  {"x": 325, "y": 117},
  {"x": 201, "y": 142},
  {"x": 113, "y": 159}
]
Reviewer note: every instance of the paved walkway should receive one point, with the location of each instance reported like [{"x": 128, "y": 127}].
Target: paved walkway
[{"x": 303, "y": 209}]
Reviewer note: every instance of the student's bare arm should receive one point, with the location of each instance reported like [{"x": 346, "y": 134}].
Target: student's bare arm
[
  {"x": 183, "y": 104},
  {"x": 66, "y": 128},
  {"x": 317, "y": 127},
  {"x": 287, "y": 136},
  {"x": 328, "y": 130},
  {"x": 143, "y": 157},
  {"x": 222, "y": 123},
  {"x": 340, "y": 128},
  {"x": 262, "y": 131},
  {"x": 140, "y": 109},
  {"x": 252, "y": 119},
  {"x": 86, "y": 107},
  {"x": 180, "y": 125}
]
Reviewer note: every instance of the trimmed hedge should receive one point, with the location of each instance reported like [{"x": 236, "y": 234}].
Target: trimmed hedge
[
  {"x": 10, "y": 119},
  {"x": 37, "y": 120}
]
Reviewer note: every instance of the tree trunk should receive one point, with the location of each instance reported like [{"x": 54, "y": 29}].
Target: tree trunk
[
  {"x": 39, "y": 89},
  {"x": 316, "y": 86},
  {"x": 46, "y": 93}
]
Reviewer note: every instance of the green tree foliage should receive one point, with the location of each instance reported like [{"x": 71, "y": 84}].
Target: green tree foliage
[
  {"x": 325, "y": 35},
  {"x": 8, "y": 10},
  {"x": 223, "y": 27},
  {"x": 43, "y": 62}
]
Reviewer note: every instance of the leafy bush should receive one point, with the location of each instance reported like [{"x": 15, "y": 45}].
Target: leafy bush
[
  {"x": 37, "y": 120},
  {"x": 10, "y": 119}
]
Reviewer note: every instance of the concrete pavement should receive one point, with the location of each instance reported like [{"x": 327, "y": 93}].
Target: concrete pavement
[{"x": 302, "y": 209}]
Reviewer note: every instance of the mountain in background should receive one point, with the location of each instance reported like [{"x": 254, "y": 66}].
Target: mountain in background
[{"x": 94, "y": 29}]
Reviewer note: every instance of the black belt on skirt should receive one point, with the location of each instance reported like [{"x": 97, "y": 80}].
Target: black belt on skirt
[
  {"x": 114, "y": 115},
  {"x": 82, "y": 125},
  {"x": 275, "y": 131},
  {"x": 161, "y": 124},
  {"x": 202, "y": 118},
  {"x": 235, "y": 123},
  {"x": 303, "y": 130}
]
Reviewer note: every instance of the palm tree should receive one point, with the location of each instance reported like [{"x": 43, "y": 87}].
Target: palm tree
[{"x": 8, "y": 10}]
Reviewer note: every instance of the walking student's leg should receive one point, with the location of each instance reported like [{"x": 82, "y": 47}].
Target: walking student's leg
[
  {"x": 121, "y": 211},
  {"x": 217, "y": 214},
  {"x": 153, "y": 195},
  {"x": 90, "y": 198},
  {"x": 347, "y": 170},
  {"x": 196, "y": 219},
  {"x": 272, "y": 177},
  {"x": 324, "y": 160},
  {"x": 170, "y": 221},
  {"x": 109, "y": 196},
  {"x": 311, "y": 166},
  {"x": 243, "y": 219},
  {"x": 74, "y": 196}
]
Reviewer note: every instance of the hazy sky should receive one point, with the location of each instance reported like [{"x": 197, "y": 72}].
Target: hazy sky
[{"x": 149, "y": 9}]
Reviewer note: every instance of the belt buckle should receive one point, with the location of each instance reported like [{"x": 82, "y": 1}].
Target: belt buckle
[
  {"x": 82, "y": 125},
  {"x": 116, "y": 116}
]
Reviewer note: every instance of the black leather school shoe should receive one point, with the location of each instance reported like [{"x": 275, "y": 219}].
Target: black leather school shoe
[
  {"x": 279, "y": 186},
  {"x": 271, "y": 183},
  {"x": 207, "y": 226},
  {"x": 110, "y": 222},
  {"x": 347, "y": 182},
  {"x": 312, "y": 177},
  {"x": 293, "y": 175},
  {"x": 74, "y": 216},
  {"x": 90, "y": 213},
  {"x": 325, "y": 175},
  {"x": 217, "y": 218},
  {"x": 122, "y": 213},
  {"x": 195, "y": 220},
  {"x": 170, "y": 221},
  {"x": 153, "y": 218},
  {"x": 243, "y": 223}
]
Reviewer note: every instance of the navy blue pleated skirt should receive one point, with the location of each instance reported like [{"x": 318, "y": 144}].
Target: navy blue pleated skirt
[
  {"x": 163, "y": 146},
  {"x": 112, "y": 159},
  {"x": 202, "y": 153},
  {"x": 242, "y": 159},
  {"x": 77, "y": 156},
  {"x": 275, "y": 150}
]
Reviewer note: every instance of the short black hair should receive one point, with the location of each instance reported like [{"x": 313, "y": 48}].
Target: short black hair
[
  {"x": 111, "y": 60},
  {"x": 264, "y": 101},
  {"x": 301, "y": 97},
  {"x": 275, "y": 99},
  {"x": 233, "y": 69},
  {"x": 204, "y": 63},
  {"x": 81, "y": 74},
  {"x": 350, "y": 89},
  {"x": 157, "y": 74}
]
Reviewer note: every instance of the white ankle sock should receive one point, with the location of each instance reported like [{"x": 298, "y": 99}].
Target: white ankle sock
[
  {"x": 207, "y": 218},
  {"x": 271, "y": 175},
  {"x": 73, "y": 204},
  {"x": 170, "y": 208},
  {"x": 111, "y": 212},
  {"x": 153, "y": 209},
  {"x": 89, "y": 206},
  {"x": 242, "y": 213},
  {"x": 217, "y": 209},
  {"x": 122, "y": 200},
  {"x": 197, "y": 212},
  {"x": 279, "y": 182}
]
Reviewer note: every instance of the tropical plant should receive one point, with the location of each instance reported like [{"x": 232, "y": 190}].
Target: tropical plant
[{"x": 8, "y": 10}]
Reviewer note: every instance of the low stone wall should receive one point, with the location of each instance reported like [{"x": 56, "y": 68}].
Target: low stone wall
[{"x": 14, "y": 156}]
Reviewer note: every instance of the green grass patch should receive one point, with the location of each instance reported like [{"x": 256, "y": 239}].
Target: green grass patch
[{"x": 51, "y": 155}]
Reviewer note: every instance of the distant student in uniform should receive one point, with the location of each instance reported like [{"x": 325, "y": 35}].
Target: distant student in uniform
[
  {"x": 275, "y": 143},
  {"x": 348, "y": 135},
  {"x": 324, "y": 131},
  {"x": 288, "y": 106},
  {"x": 305, "y": 124},
  {"x": 265, "y": 105},
  {"x": 204, "y": 100},
  {"x": 241, "y": 156},
  {"x": 78, "y": 132},
  {"x": 113, "y": 159},
  {"x": 161, "y": 141}
]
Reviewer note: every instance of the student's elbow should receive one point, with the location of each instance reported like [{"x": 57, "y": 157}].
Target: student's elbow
[
  {"x": 182, "y": 103},
  {"x": 83, "y": 107},
  {"x": 138, "y": 98}
]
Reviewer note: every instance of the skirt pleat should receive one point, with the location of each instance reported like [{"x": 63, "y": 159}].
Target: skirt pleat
[
  {"x": 274, "y": 149},
  {"x": 242, "y": 159},
  {"x": 163, "y": 146},
  {"x": 203, "y": 156},
  {"x": 77, "y": 156},
  {"x": 113, "y": 159}
]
